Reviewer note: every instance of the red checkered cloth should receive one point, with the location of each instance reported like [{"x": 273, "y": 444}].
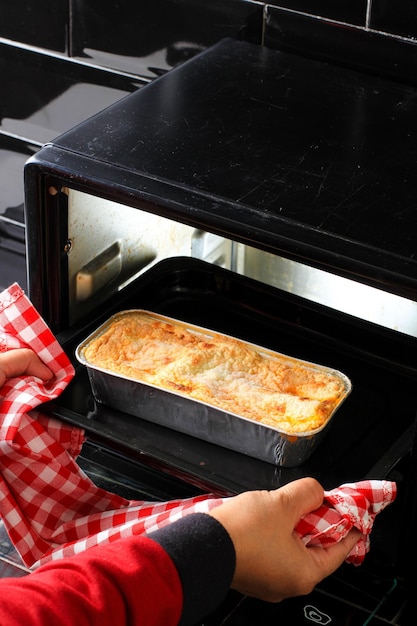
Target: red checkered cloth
[
  {"x": 350, "y": 505},
  {"x": 51, "y": 509}
]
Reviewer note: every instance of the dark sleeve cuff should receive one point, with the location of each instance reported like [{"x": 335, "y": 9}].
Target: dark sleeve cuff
[{"x": 204, "y": 556}]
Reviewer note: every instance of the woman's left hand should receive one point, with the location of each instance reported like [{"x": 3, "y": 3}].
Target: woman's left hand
[{"x": 20, "y": 362}]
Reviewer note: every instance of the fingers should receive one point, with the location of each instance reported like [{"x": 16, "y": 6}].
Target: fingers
[
  {"x": 22, "y": 361},
  {"x": 306, "y": 495},
  {"x": 329, "y": 559}
]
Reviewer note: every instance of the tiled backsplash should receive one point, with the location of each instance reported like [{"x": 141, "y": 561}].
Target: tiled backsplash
[
  {"x": 36, "y": 22},
  {"x": 148, "y": 37},
  {"x": 151, "y": 36}
]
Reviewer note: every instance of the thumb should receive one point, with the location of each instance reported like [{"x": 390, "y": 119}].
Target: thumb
[{"x": 301, "y": 497}]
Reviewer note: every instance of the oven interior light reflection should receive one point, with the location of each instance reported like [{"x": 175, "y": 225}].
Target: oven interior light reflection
[
  {"x": 112, "y": 244},
  {"x": 351, "y": 297}
]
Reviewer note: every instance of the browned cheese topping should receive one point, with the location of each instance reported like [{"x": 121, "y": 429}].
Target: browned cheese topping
[{"x": 221, "y": 371}]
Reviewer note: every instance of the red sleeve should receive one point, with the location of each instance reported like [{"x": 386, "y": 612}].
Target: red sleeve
[
  {"x": 100, "y": 587},
  {"x": 176, "y": 575}
]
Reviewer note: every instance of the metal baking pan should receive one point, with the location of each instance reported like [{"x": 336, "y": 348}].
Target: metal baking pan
[{"x": 199, "y": 419}]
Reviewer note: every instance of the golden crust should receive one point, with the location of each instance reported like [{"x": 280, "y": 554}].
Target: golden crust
[{"x": 221, "y": 371}]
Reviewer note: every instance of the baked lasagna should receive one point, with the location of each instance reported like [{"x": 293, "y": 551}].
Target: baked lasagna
[{"x": 279, "y": 391}]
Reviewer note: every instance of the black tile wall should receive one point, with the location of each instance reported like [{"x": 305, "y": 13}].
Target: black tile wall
[
  {"x": 348, "y": 11},
  {"x": 13, "y": 155},
  {"x": 36, "y": 22},
  {"x": 397, "y": 18},
  {"x": 343, "y": 44},
  {"x": 43, "y": 96},
  {"x": 150, "y": 37},
  {"x": 155, "y": 35}
]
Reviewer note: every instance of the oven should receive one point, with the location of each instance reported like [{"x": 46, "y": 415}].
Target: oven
[{"x": 270, "y": 197}]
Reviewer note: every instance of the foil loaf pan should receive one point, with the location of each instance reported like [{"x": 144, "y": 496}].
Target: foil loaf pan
[{"x": 199, "y": 419}]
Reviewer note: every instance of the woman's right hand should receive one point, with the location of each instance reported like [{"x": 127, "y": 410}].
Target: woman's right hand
[{"x": 272, "y": 563}]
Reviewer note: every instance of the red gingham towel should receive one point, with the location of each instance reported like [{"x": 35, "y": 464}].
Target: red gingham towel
[
  {"x": 51, "y": 509},
  {"x": 350, "y": 505}
]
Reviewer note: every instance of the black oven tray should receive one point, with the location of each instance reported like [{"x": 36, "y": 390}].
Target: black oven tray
[{"x": 371, "y": 421}]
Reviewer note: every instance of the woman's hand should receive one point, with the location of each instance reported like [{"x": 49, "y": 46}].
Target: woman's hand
[
  {"x": 272, "y": 563},
  {"x": 20, "y": 362}
]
